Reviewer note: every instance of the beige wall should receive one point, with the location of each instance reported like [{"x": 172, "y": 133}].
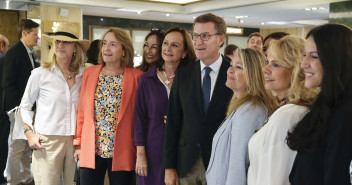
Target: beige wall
[
  {"x": 299, "y": 31},
  {"x": 51, "y": 13},
  {"x": 9, "y": 20}
]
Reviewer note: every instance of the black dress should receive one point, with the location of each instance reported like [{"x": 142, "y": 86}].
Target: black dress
[{"x": 328, "y": 165}]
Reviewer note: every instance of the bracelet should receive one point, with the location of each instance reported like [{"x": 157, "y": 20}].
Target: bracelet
[{"x": 27, "y": 129}]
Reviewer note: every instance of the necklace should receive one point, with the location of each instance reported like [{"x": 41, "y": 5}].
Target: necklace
[
  {"x": 167, "y": 81},
  {"x": 67, "y": 75},
  {"x": 283, "y": 102}
]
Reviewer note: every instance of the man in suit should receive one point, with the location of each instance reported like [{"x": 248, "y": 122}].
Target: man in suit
[
  {"x": 17, "y": 66},
  {"x": 197, "y": 105},
  {"x": 4, "y": 119}
]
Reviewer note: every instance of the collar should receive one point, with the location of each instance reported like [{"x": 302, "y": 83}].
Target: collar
[
  {"x": 27, "y": 48},
  {"x": 215, "y": 67},
  {"x": 57, "y": 70}
]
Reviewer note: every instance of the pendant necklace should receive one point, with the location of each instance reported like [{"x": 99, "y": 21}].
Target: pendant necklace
[{"x": 167, "y": 82}]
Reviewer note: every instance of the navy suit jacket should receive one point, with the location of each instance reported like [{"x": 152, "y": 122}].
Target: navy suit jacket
[
  {"x": 16, "y": 70},
  {"x": 190, "y": 130}
]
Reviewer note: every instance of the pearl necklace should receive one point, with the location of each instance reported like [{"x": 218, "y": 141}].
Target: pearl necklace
[{"x": 167, "y": 81}]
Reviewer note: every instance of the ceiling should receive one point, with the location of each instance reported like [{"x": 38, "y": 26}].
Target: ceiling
[{"x": 261, "y": 13}]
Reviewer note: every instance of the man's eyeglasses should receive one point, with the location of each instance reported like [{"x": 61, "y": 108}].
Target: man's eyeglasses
[{"x": 203, "y": 36}]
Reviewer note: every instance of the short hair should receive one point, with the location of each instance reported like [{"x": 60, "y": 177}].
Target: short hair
[
  {"x": 229, "y": 49},
  {"x": 256, "y": 93},
  {"x": 145, "y": 66},
  {"x": 275, "y": 35},
  {"x": 27, "y": 25},
  {"x": 288, "y": 52},
  {"x": 76, "y": 61},
  {"x": 187, "y": 45},
  {"x": 220, "y": 25},
  {"x": 126, "y": 42},
  {"x": 3, "y": 41},
  {"x": 93, "y": 52},
  {"x": 255, "y": 34}
]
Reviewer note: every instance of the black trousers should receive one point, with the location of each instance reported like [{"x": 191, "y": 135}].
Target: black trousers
[
  {"x": 96, "y": 176},
  {"x": 4, "y": 135}
]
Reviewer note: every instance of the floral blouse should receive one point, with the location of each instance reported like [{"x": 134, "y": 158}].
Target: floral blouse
[{"x": 107, "y": 106}]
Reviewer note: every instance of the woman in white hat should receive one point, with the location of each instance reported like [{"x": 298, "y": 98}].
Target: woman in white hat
[{"x": 55, "y": 88}]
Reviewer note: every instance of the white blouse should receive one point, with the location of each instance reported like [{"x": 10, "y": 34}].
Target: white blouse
[
  {"x": 56, "y": 103},
  {"x": 270, "y": 159}
]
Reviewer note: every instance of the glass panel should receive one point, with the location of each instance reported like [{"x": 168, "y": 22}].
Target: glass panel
[
  {"x": 138, "y": 41},
  {"x": 239, "y": 41}
]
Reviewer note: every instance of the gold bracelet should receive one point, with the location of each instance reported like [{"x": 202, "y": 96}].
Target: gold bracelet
[{"x": 27, "y": 129}]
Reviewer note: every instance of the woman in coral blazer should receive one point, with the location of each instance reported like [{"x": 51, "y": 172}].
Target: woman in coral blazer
[{"x": 104, "y": 134}]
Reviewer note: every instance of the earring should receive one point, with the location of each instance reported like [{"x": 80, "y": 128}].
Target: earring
[
  {"x": 74, "y": 53},
  {"x": 183, "y": 57}
]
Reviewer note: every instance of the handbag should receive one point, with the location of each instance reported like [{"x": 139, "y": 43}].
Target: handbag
[
  {"x": 16, "y": 127},
  {"x": 76, "y": 179}
]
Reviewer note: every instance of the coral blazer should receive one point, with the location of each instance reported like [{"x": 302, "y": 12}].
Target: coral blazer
[{"x": 124, "y": 154}]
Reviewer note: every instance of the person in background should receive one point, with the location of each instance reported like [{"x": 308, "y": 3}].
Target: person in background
[
  {"x": 250, "y": 106},
  {"x": 255, "y": 41},
  {"x": 55, "y": 88},
  {"x": 197, "y": 105},
  {"x": 269, "y": 157},
  {"x": 151, "y": 50},
  {"x": 4, "y": 118},
  {"x": 151, "y": 105},
  {"x": 269, "y": 38},
  {"x": 4, "y": 45},
  {"x": 323, "y": 138},
  {"x": 229, "y": 51},
  {"x": 104, "y": 134},
  {"x": 17, "y": 66},
  {"x": 93, "y": 53}
]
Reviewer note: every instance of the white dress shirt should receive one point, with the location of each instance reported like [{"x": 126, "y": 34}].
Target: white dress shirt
[
  {"x": 215, "y": 68},
  {"x": 56, "y": 103}
]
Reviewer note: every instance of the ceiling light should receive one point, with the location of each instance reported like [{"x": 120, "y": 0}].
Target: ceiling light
[
  {"x": 101, "y": 19},
  {"x": 130, "y": 10},
  {"x": 241, "y": 16},
  {"x": 307, "y": 9},
  {"x": 314, "y": 8},
  {"x": 263, "y": 23},
  {"x": 167, "y": 15},
  {"x": 321, "y": 8},
  {"x": 277, "y": 22},
  {"x": 176, "y": 2},
  {"x": 241, "y": 21},
  {"x": 194, "y": 17}
]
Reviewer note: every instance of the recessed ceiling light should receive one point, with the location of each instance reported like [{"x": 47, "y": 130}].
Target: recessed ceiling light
[
  {"x": 129, "y": 10},
  {"x": 194, "y": 17},
  {"x": 277, "y": 22},
  {"x": 314, "y": 8},
  {"x": 307, "y": 9},
  {"x": 263, "y": 23},
  {"x": 139, "y": 12},
  {"x": 241, "y": 16},
  {"x": 241, "y": 21},
  {"x": 101, "y": 19},
  {"x": 176, "y": 2},
  {"x": 167, "y": 15},
  {"x": 321, "y": 8}
]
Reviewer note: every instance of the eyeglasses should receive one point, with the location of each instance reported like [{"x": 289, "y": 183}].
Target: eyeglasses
[
  {"x": 203, "y": 36},
  {"x": 63, "y": 42}
]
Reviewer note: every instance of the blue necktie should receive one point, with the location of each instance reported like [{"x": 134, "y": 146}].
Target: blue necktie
[{"x": 206, "y": 88}]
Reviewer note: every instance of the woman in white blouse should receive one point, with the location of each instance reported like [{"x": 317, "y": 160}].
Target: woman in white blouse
[
  {"x": 270, "y": 158},
  {"x": 250, "y": 106},
  {"x": 55, "y": 88}
]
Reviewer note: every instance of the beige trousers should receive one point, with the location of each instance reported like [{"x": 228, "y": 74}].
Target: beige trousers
[
  {"x": 55, "y": 164},
  {"x": 19, "y": 153},
  {"x": 197, "y": 174}
]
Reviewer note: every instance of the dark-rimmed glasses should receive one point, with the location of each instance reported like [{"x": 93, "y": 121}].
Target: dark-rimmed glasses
[{"x": 203, "y": 36}]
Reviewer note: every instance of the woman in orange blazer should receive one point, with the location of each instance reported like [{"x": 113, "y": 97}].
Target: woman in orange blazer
[{"x": 104, "y": 133}]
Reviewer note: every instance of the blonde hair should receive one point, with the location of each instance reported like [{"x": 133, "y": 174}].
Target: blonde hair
[
  {"x": 76, "y": 60},
  {"x": 256, "y": 93},
  {"x": 126, "y": 42},
  {"x": 289, "y": 51}
]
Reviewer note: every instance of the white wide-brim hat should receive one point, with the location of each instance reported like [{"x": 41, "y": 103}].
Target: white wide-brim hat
[{"x": 67, "y": 32}]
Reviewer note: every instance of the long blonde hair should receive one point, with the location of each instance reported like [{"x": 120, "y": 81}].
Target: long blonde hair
[
  {"x": 76, "y": 61},
  {"x": 256, "y": 93},
  {"x": 289, "y": 51}
]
